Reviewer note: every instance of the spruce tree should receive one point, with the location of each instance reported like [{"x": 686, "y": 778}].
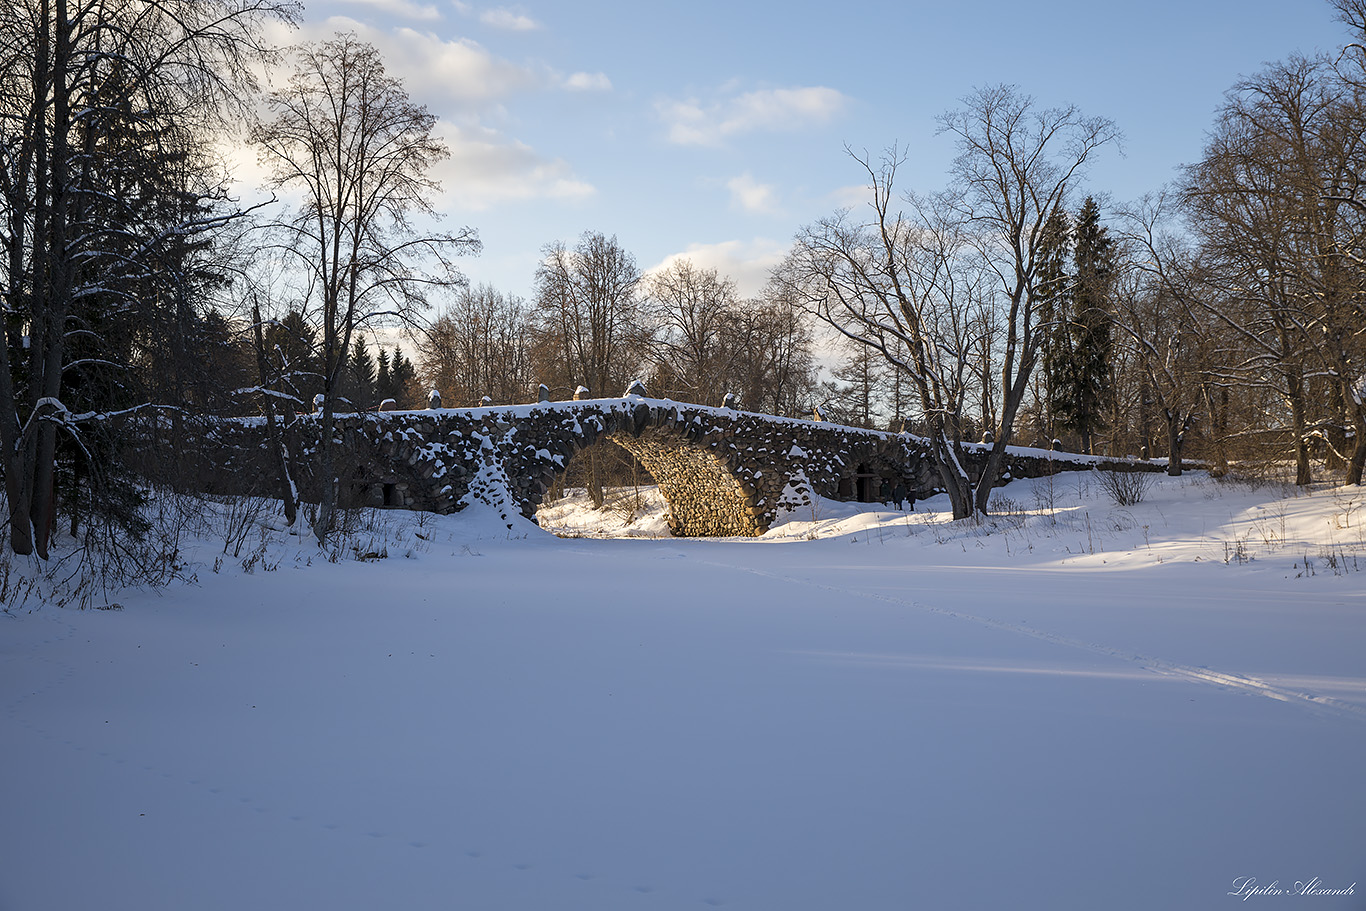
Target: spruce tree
[
  {"x": 291, "y": 350},
  {"x": 1053, "y": 306},
  {"x": 403, "y": 377},
  {"x": 853, "y": 394},
  {"x": 384, "y": 383},
  {"x": 1092, "y": 386},
  {"x": 360, "y": 377}
]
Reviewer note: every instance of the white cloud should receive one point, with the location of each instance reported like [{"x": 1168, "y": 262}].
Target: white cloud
[
  {"x": 748, "y": 195},
  {"x": 402, "y": 8},
  {"x": 487, "y": 168},
  {"x": 463, "y": 83},
  {"x": 850, "y": 197},
  {"x": 458, "y": 69},
  {"x": 692, "y": 122},
  {"x": 508, "y": 19},
  {"x": 588, "y": 82},
  {"x": 442, "y": 73},
  {"x": 747, "y": 262}
]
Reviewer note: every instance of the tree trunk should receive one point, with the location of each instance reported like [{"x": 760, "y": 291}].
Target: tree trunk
[
  {"x": 327, "y": 475},
  {"x": 1357, "y": 413},
  {"x": 288, "y": 493},
  {"x": 957, "y": 484},
  {"x": 996, "y": 458},
  {"x": 42, "y": 509},
  {"x": 991, "y": 474},
  {"x": 57, "y": 284},
  {"x": 594, "y": 482},
  {"x": 1334, "y": 433},
  {"x": 1295, "y": 394},
  {"x": 1218, "y": 424},
  {"x": 1175, "y": 441},
  {"x": 1358, "y": 460}
]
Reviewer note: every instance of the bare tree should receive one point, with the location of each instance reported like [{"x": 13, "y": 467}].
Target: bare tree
[
  {"x": 589, "y": 307},
  {"x": 906, "y": 287},
  {"x": 590, "y": 325},
  {"x": 1159, "y": 306},
  {"x": 1352, "y": 13},
  {"x": 957, "y": 281},
  {"x": 693, "y": 317},
  {"x": 480, "y": 345},
  {"x": 774, "y": 370},
  {"x": 1274, "y": 203},
  {"x": 1016, "y": 163},
  {"x": 345, "y": 136}
]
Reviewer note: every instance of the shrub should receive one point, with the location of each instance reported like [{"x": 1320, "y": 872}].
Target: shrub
[{"x": 1126, "y": 488}]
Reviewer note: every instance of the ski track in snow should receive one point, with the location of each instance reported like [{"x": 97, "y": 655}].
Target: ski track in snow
[{"x": 1324, "y": 705}]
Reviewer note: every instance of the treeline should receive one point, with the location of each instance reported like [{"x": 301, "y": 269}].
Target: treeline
[
  {"x": 1221, "y": 318},
  {"x": 597, "y": 322}
]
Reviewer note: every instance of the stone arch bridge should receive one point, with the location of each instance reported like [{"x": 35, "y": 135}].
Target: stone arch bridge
[{"x": 723, "y": 471}]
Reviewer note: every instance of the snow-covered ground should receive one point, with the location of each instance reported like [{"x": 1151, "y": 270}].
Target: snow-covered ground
[
  {"x": 628, "y": 512},
  {"x": 1080, "y": 706}
]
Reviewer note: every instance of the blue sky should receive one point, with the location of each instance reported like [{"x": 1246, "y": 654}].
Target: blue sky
[{"x": 717, "y": 129}]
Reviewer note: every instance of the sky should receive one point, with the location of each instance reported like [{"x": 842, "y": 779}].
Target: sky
[{"x": 716, "y": 130}]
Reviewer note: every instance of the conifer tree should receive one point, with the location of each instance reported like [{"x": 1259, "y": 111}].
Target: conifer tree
[
  {"x": 384, "y": 383},
  {"x": 853, "y": 395},
  {"x": 403, "y": 379},
  {"x": 1074, "y": 311},
  {"x": 1053, "y": 303},
  {"x": 292, "y": 356},
  {"x": 360, "y": 377},
  {"x": 1090, "y": 390}
]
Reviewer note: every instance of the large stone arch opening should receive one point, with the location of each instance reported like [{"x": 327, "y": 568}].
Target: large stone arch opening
[
  {"x": 601, "y": 473},
  {"x": 705, "y": 494}
]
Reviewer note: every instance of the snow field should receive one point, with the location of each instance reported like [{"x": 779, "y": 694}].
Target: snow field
[{"x": 1081, "y": 706}]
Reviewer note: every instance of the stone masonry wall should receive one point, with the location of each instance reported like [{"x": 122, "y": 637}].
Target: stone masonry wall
[{"x": 723, "y": 472}]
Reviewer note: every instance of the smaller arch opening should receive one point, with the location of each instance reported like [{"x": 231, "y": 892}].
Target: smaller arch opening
[{"x": 865, "y": 484}]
